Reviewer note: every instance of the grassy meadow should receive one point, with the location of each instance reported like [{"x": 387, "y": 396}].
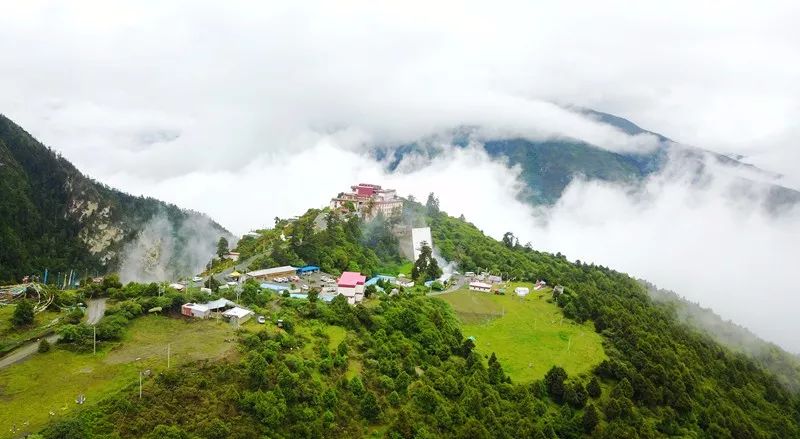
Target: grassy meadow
[
  {"x": 45, "y": 386},
  {"x": 528, "y": 335},
  {"x": 10, "y": 337}
]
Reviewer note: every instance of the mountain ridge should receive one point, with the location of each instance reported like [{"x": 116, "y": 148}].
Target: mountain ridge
[
  {"x": 549, "y": 166},
  {"x": 55, "y": 217}
]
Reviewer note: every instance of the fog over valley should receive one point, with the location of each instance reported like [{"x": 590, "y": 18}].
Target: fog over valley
[{"x": 254, "y": 112}]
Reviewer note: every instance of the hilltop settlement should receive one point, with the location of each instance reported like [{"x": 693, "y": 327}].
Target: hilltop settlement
[{"x": 376, "y": 316}]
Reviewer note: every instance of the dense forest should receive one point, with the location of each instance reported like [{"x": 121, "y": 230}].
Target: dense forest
[
  {"x": 405, "y": 370},
  {"x": 329, "y": 240},
  {"x": 54, "y": 217}
]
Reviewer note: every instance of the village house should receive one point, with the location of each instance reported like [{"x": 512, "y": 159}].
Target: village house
[
  {"x": 234, "y": 256},
  {"x": 480, "y": 286},
  {"x": 237, "y": 315},
  {"x": 205, "y": 310},
  {"x": 195, "y": 310},
  {"x": 522, "y": 291},
  {"x": 272, "y": 273},
  {"x": 308, "y": 269},
  {"x": 351, "y": 285},
  {"x": 492, "y": 279}
]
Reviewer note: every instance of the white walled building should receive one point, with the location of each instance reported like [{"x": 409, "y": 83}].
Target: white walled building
[
  {"x": 480, "y": 286},
  {"x": 351, "y": 285}
]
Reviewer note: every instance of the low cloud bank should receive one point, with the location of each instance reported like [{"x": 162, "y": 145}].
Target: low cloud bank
[
  {"x": 693, "y": 236},
  {"x": 709, "y": 238},
  {"x": 700, "y": 240},
  {"x": 164, "y": 250}
]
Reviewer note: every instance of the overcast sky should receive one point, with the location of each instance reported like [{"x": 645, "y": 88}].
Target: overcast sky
[{"x": 253, "y": 111}]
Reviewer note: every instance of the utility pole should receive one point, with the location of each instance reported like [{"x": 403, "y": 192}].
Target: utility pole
[{"x": 94, "y": 338}]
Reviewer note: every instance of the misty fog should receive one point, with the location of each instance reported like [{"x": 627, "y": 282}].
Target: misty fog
[{"x": 250, "y": 112}]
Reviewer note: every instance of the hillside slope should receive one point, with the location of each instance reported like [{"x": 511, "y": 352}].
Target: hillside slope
[
  {"x": 54, "y": 217},
  {"x": 400, "y": 366}
]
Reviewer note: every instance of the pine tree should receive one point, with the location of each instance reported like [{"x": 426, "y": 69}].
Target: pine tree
[
  {"x": 554, "y": 380},
  {"x": 369, "y": 407},
  {"x": 23, "y": 313},
  {"x": 222, "y": 247},
  {"x": 496, "y": 374},
  {"x": 590, "y": 418},
  {"x": 593, "y": 388}
]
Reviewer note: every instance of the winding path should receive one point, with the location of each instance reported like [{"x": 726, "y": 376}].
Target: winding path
[
  {"x": 24, "y": 351},
  {"x": 95, "y": 309}
]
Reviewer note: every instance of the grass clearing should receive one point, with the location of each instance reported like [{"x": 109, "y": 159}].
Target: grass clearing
[
  {"x": 395, "y": 269},
  {"x": 50, "y": 382},
  {"x": 336, "y": 335},
  {"x": 528, "y": 334},
  {"x": 10, "y": 336},
  {"x": 354, "y": 368},
  {"x": 189, "y": 340}
]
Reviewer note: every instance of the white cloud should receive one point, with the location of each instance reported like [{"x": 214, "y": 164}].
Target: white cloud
[
  {"x": 731, "y": 256},
  {"x": 256, "y": 110}
]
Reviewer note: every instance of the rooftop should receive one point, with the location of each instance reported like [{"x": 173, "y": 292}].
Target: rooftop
[
  {"x": 219, "y": 303},
  {"x": 274, "y": 270},
  {"x": 196, "y": 306},
  {"x": 237, "y": 312},
  {"x": 351, "y": 279}
]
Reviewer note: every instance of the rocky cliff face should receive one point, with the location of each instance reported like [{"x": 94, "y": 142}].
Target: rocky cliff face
[{"x": 52, "y": 216}]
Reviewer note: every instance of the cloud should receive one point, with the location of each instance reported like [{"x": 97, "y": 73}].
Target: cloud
[
  {"x": 256, "y": 111},
  {"x": 98, "y": 80},
  {"x": 722, "y": 252},
  {"x": 164, "y": 251}
]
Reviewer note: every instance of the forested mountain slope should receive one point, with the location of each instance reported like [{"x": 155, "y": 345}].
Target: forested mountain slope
[
  {"x": 785, "y": 365},
  {"x": 549, "y": 165},
  {"x": 404, "y": 369},
  {"x": 54, "y": 217}
]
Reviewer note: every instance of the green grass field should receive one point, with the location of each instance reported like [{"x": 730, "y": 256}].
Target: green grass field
[
  {"x": 395, "y": 269},
  {"x": 50, "y": 382},
  {"x": 528, "y": 335},
  {"x": 10, "y": 336}
]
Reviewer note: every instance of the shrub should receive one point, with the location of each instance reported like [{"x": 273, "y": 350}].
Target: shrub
[
  {"x": 23, "y": 313},
  {"x": 44, "y": 346}
]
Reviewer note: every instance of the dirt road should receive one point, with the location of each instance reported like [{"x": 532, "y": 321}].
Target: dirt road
[{"x": 24, "y": 351}]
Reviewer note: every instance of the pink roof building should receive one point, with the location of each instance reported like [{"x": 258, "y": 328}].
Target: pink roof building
[{"x": 350, "y": 279}]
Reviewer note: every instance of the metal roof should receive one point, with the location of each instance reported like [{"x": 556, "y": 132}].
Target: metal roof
[
  {"x": 274, "y": 270},
  {"x": 237, "y": 312}
]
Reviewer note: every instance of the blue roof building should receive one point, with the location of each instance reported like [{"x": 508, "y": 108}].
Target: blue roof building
[{"x": 308, "y": 269}]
